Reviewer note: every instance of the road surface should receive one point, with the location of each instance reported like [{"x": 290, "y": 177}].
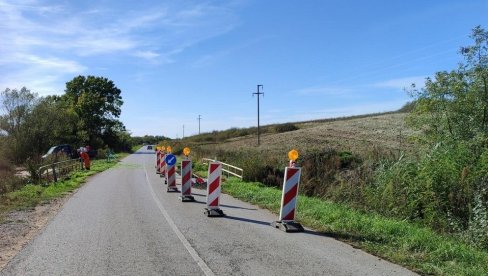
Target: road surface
[{"x": 123, "y": 222}]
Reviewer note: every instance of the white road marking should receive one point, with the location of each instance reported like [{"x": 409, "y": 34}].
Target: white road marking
[{"x": 201, "y": 263}]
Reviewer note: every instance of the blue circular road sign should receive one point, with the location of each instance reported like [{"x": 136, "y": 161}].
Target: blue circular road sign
[{"x": 170, "y": 159}]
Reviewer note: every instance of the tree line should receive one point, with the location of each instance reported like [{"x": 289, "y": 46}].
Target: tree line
[{"x": 86, "y": 114}]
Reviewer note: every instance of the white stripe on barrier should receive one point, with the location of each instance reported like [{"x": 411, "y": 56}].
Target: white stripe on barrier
[{"x": 292, "y": 181}]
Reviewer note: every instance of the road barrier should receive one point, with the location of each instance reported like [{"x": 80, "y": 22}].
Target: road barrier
[
  {"x": 158, "y": 161},
  {"x": 170, "y": 172},
  {"x": 186, "y": 173},
  {"x": 289, "y": 197},
  {"x": 55, "y": 171},
  {"x": 162, "y": 164},
  {"x": 213, "y": 190},
  {"x": 227, "y": 168}
]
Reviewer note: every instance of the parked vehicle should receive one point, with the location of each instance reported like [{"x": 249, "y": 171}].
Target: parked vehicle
[
  {"x": 64, "y": 149},
  {"x": 67, "y": 151}
]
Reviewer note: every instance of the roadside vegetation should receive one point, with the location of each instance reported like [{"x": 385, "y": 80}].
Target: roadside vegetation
[
  {"x": 31, "y": 195},
  {"x": 417, "y": 247},
  {"x": 86, "y": 114},
  {"x": 412, "y": 185}
]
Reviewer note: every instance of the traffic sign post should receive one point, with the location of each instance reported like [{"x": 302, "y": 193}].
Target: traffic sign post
[
  {"x": 186, "y": 173},
  {"x": 289, "y": 197},
  {"x": 213, "y": 190},
  {"x": 170, "y": 173}
]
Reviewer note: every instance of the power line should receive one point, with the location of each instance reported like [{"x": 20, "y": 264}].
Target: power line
[{"x": 258, "y": 93}]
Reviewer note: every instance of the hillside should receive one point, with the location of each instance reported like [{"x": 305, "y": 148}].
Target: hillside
[{"x": 386, "y": 132}]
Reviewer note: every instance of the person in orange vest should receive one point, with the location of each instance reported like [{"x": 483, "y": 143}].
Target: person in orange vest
[{"x": 86, "y": 158}]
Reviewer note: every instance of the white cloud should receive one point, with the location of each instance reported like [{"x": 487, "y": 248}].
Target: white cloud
[
  {"x": 402, "y": 83},
  {"x": 149, "y": 55},
  {"x": 40, "y": 40},
  {"x": 325, "y": 90}
]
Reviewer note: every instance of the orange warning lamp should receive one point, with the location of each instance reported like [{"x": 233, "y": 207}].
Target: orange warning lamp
[
  {"x": 186, "y": 151},
  {"x": 162, "y": 148},
  {"x": 158, "y": 148},
  {"x": 293, "y": 155},
  {"x": 169, "y": 149}
]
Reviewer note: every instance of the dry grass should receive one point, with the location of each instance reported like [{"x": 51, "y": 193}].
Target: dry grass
[{"x": 358, "y": 135}]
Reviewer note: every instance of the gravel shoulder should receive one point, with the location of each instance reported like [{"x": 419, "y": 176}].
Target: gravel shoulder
[{"x": 21, "y": 226}]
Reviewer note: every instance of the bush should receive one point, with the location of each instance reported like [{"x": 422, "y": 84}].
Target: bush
[{"x": 285, "y": 127}]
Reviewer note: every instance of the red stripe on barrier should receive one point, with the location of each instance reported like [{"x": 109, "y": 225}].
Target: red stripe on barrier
[
  {"x": 290, "y": 215},
  {"x": 213, "y": 167},
  {"x": 291, "y": 173},
  {"x": 186, "y": 178},
  {"x": 213, "y": 186},
  {"x": 292, "y": 193},
  {"x": 215, "y": 202}
]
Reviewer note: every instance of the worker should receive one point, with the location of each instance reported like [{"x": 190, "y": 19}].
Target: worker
[{"x": 86, "y": 158}]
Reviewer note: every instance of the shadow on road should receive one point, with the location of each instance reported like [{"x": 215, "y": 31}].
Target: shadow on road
[
  {"x": 143, "y": 152},
  {"x": 338, "y": 236},
  {"x": 248, "y": 220},
  {"x": 237, "y": 207}
]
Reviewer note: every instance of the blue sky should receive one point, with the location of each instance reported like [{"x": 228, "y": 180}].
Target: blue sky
[{"x": 175, "y": 60}]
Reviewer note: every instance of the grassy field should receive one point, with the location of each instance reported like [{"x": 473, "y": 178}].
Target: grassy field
[
  {"x": 31, "y": 195},
  {"x": 357, "y": 134},
  {"x": 408, "y": 244}
]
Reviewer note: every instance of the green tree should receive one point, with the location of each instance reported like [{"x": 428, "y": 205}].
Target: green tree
[
  {"x": 50, "y": 123},
  {"x": 454, "y": 104},
  {"x": 16, "y": 106},
  {"x": 97, "y": 102}
]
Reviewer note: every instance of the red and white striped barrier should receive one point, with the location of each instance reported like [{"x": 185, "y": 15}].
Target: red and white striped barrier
[
  {"x": 171, "y": 178},
  {"x": 213, "y": 190},
  {"x": 289, "y": 201},
  {"x": 158, "y": 161},
  {"x": 162, "y": 164},
  {"x": 186, "y": 181}
]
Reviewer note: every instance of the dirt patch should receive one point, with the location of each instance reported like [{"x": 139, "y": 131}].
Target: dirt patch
[{"x": 19, "y": 227}]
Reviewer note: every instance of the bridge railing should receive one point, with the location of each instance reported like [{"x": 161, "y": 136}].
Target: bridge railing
[
  {"x": 227, "y": 168},
  {"x": 58, "y": 170}
]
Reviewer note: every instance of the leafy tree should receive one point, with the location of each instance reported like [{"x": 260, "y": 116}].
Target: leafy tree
[
  {"x": 16, "y": 105},
  {"x": 454, "y": 104},
  {"x": 50, "y": 123},
  {"x": 97, "y": 102}
]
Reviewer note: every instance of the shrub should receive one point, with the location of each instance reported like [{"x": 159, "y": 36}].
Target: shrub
[{"x": 285, "y": 127}]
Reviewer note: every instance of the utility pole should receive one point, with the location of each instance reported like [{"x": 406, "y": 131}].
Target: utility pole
[
  {"x": 199, "y": 118},
  {"x": 183, "y": 132},
  {"x": 258, "y": 93}
]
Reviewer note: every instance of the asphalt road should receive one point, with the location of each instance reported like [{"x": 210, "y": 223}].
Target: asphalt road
[{"x": 123, "y": 222}]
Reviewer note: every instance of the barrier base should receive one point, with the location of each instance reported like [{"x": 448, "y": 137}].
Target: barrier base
[
  {"x": 172, "y": 190},
  {"x": 186, "y": 198},
  {"x": 288, "y": 226},
  {"x": 214, "y": 212}
]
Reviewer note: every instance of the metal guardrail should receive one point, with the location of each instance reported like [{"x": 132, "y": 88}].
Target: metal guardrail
[
  {"x": 228, "y": 168},
  {"x": 54, "y": 171}
]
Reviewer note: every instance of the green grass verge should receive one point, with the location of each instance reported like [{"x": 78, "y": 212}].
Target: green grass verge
[
  {"x": 136, "y": 148},
  {"x": 415, "y": 247},
  {"x": 32, "y": 195}
]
